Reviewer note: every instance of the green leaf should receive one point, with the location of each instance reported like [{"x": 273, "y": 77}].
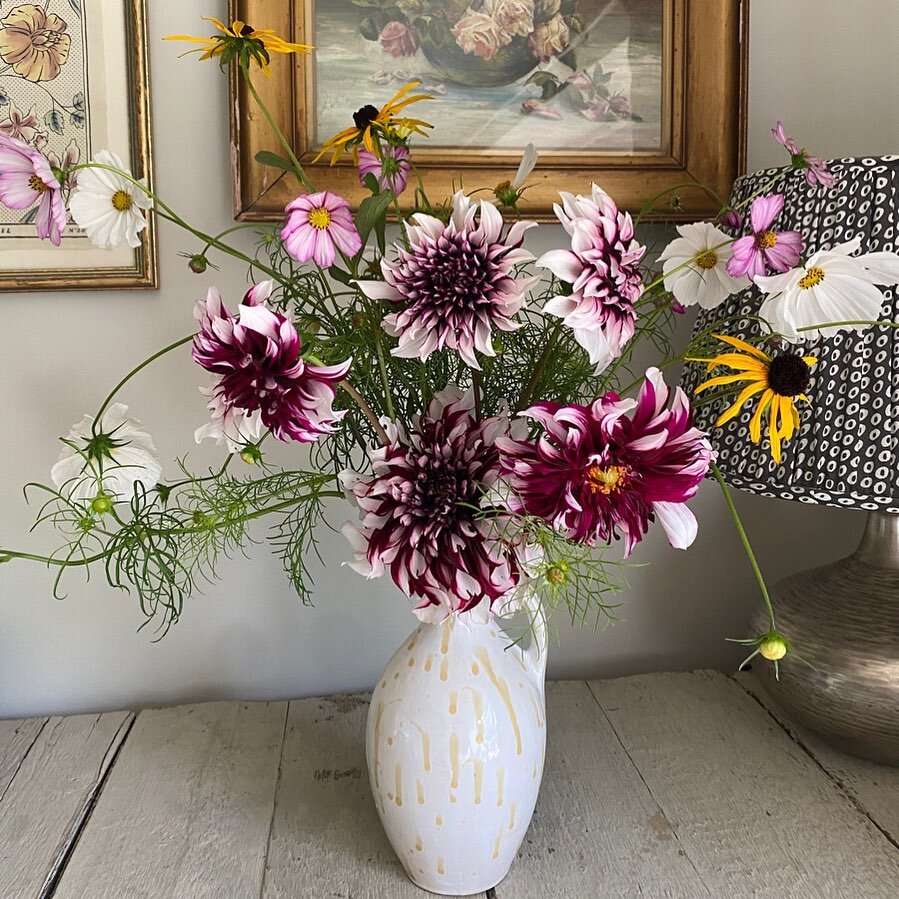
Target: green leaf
[
  {"x": 338, "y": 274},
  {"x": 274, "y": 161},
  {"x": 372, "y": 212},
  {"x": 371, "y": 182}
]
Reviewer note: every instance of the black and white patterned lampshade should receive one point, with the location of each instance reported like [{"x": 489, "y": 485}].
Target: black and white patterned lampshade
[{"x": 845, "y": 453}]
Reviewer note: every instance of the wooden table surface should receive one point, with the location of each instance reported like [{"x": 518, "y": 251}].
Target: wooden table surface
[{"x": 676, "y": 785}]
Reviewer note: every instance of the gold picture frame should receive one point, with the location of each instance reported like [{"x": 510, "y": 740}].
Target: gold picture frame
[
  {"x": 704, "y": 113},
  {"x": 131, "y": 269}
]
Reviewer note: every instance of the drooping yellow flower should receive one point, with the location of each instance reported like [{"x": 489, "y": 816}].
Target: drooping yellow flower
[
  {"x": 240, "y": 42},
  {"x": 781, "y": 380},
  {"x": 369, "y": 120}
]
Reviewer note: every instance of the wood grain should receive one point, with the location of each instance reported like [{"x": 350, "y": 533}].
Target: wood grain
[
  {"x": 755, "y": 815},
  {"x": 597, "y": 826},
  {"x": 326, "y": 838},
  {"x": 52, "y": 784},
  {"x": 187, "y": 809},
  {"x": 874, "y": 788}
]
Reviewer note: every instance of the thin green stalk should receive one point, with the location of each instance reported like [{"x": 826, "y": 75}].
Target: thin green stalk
[
  {"x": 382, "y": 367},
  {"x": 746, "y": 545},
  {"x": 528, "y": 389},
  {"x": 135, "y": 371},
  {"x": 650, "y": 204},
  {"x": 302, "y": 177},
  {"x": 883, "y": 324}
]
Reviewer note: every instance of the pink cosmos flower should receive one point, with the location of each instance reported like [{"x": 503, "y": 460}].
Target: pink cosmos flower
[
  {"x": 392, "y": 172},
  {"x": 21, "y": 126},
  {"x": 479, "y": 33},
  {"x": 456, "y": 282},
  {"x": 605, "y": 471},
  {"x": 25, "y": 179},
  {"x": 317, "y": 226},
  {"x": 816, "y": 171},
  {"x": 602, "y": 269},
  {"x": 398, "y": 39},
  {"x": 258, "y": 358},
  {"x": 780, "y": 249},
  {"x": 420, "y": 511}
]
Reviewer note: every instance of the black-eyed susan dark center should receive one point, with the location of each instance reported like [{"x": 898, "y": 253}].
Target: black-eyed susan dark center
[
  {"x": 362, "y": 118},
  {"x": 789, "y": 375}
]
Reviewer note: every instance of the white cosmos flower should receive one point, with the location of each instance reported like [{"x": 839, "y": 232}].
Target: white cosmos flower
[
  {"x": 236, "y": 428},
  {"x": 120, "y": 456},
  {"x": 108, "y": 206},
  {"x": 704, "y": 280},
  {"x": 833, "y": 286}
]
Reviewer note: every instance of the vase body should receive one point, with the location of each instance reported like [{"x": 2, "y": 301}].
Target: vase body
[
  {"x": 844, "y": 618},
  {"x": 455, "y": 743},
  {"x": 506, "y": 66}
]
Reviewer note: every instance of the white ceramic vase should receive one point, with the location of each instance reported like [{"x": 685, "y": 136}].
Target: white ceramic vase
[{"x": 455, "y": 743}]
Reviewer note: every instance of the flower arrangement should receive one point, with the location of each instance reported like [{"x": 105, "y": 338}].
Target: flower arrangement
[{"x": 477, "y": 406}]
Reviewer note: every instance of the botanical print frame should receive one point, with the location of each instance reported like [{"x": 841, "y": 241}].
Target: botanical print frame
[
  {"x": 74, "y": 79},
  {"x": 701, "y": 113}
]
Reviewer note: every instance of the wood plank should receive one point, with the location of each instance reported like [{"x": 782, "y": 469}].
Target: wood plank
[
  {"x": 875, "y": 788},
  {"x": 597, "y": 826},
  {"x": 756, "y": 816},
  {"x": 53, "y": 784},
  {"x": 187, "y": 808},
  {"x": 326, "y": 837},
  {"x": 16, "y": 739}
]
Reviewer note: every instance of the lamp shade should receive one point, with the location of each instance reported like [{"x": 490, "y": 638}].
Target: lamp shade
[{"x": 845, "y": 452}]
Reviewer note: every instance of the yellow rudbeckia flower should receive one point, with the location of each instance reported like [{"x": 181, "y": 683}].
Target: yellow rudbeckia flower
[
  {"x": 780, "y": 380},
  {"x": 240, "y": 42},
  {"x": 369, "y": 120}
]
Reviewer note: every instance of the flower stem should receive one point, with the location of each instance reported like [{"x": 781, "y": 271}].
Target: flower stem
[
  {"x": 528, "y": 389},
  {"x": 382, "y": 366},
  {"x": 132, "y": 373},
  {"x": 302, "y": 177},
  {"x": 695, "y": 185},
  {"x": 367, "y": 411},
  {"x": 746, "y": 545},
  {"x": 873, "y": 324}
]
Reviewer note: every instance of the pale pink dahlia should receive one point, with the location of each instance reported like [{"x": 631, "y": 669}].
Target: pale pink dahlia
[
  {"x": 391, "y": 170},
  {"x": 607, "y": 470},
  {"x": 779, "y": 249},
  {"x": 257, "y": 356},
  {"x": 318, "y": 225},
  {"x": 456, "y": 281},
  {"x": 420, "y": 520},
  {"x": 25, "y": 179},
  {"x": 602, "y": 268}
]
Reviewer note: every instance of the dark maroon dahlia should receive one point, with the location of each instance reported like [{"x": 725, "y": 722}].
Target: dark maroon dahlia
[
  {"x": 605, "y": 471},
  {"x": 257, "y": 356},
  {"x": 420, "y": 511},
  {"x": 456, "y": 282}
]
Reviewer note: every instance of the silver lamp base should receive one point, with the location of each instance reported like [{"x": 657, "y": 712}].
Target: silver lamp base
[{"x": 844, "y": 618}]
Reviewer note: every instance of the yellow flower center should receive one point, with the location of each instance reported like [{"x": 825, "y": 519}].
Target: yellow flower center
[
  {"x": 813, "y": 277},
  {"x": 319, "y": 218},
  {"x": 606, "y": 480},
  {"x": 121, "y": 201},
  {"x": 37, "y": 184},
  {"x": 707, "y": 260},
  {"x": 765, "y": 240}
]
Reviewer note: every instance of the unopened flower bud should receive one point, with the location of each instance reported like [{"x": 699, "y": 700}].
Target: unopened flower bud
[
  {"x": 557, "y": 574},
  {"x": 197, "y": 264},
  {"x": 310, "y": 325},
  {"x": 251, "y": 454},
  {"x": 101, "y": 504},
  {"x": 358, "y": 320},
  {"x": 506, "y": 194},
  {"x": 773, "y": 648},
  {"x": 498, "y": 346},
  {"x": 732, "y": 219}
]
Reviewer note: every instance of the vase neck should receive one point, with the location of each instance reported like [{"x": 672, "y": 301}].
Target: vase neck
[{"x": 880, "y": 542}]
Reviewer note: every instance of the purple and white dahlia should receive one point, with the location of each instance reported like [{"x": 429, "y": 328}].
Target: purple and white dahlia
[
  {"x": 605, "y": 471},
  {"x": 420, "y": 511},
  {"x": 602, "y": 268},
  {"x": 257, "y": 355},
  {"x": 456, "y": 282}
]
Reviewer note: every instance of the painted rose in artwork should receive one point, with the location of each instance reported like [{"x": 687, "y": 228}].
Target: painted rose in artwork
[
  {"x": 398, "y": 39},
  {"x": 515, "y": 17},
  {"x": 550, "y": 38},
  {"x": 34, "y": 42},
  {"x": 479, "y": 33}
]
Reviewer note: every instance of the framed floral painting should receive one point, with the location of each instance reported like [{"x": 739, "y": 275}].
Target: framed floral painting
[
  {"x": 74, "y": 79},
  {"x": 642, "y": 95}
]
